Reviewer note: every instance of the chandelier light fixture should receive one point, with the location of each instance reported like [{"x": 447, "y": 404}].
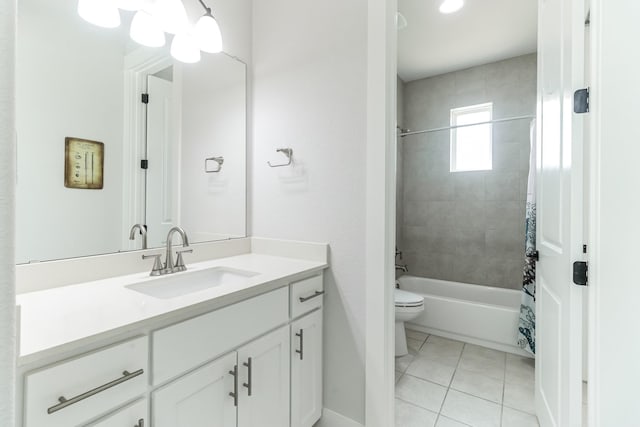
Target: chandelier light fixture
[{"x": 154, "y": 19}]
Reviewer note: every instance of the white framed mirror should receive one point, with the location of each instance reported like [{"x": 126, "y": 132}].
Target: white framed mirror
[{"x": 75, "y": 80}]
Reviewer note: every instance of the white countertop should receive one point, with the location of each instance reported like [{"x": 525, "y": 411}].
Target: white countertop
[{"x": 54, "y": 318}]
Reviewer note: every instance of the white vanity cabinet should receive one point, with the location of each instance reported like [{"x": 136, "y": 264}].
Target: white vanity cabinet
[
  {"x": 199, "y": 399},
  {"x": 73, "y": 392},
  {"x": 253, "y": 363},
  {"x": 306, "y": 370},
  {"x": 246, "y": 388},
  {"x": 306, "y": 351},
  {"x": 263, "y": 386}
]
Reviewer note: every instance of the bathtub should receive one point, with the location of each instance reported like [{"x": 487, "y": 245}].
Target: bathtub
[{"x": 481, "y": 315}]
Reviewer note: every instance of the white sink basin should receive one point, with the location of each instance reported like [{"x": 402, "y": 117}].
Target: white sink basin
[{"x": 179, "y": 284}]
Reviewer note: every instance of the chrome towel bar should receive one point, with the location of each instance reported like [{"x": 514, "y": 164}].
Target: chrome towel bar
[{"x": 64, "y": 402}]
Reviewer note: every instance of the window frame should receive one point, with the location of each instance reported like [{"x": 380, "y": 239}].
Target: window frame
[{"x": 455, "y": 114}]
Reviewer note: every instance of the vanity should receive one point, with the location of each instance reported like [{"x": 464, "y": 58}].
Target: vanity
[{"x": 135, "y": 350}]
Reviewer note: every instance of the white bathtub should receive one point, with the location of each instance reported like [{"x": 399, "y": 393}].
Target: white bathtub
[{"x": 481, "y": 315}]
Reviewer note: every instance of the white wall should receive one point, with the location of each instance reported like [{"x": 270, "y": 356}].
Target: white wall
[
  {"x": 310, "y": 93},
  {"x": 7, "y": 175},
  {"x": 69, "y": 84},
  {"x": 613, "y": 277}
]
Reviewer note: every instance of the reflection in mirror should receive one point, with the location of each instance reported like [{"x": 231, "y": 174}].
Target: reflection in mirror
[{"x": 77, "y": 80}]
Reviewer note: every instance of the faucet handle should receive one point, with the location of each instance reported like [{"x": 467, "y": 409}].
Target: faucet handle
[
  {"x": 157, "y": 264},
  {"x": 180, "y": 261}
]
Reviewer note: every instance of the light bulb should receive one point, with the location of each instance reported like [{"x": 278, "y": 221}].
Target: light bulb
[
  {"x": 208, "y": 34},
  {"x": 185, "y": 48},
  {"x": 133, "y": 5},
  {"x": 171, "y": 15},
  {"x": 145, "y": 30},
  {"x": 451, "y": 6},
  {"x": 102, "y": 13}
]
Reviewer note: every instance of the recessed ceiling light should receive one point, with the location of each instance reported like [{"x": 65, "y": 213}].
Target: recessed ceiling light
[{"x": 451, "y": 6}]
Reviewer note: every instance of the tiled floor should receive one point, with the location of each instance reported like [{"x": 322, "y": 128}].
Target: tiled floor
[{"x": 445, "y": 383}]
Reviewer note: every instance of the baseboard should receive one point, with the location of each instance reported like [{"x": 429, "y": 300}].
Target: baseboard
[
  {"x": 484, "y": 343},
  {"x": 333, "y": 419}
]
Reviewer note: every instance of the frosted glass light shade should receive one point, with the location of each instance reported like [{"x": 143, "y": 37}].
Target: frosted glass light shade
[
  {"x": 451, "y": 6},
  {"x": 145, "y": 30},
  {"x": 130, "y": 4},
  {"x": 102, "y": 13},
  {"x": 185, "y": 48},
  {"x": 208, "y": 34},
  {"x": 171, "y": 15}
]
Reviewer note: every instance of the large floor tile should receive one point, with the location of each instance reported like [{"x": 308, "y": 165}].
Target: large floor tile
[
  {"x": 520, "y": 369},
  {"x": 479, "y": 385},
  {"x": 408, "y": 415},
  {"x": 402, "y": 362},
  {"x": 416, "y": 335},
  {"x": 520, "y": 396},
  {"x": 448, "y": 422},
  {"x": 429, "y": 369},
  {"x": 442, "y": 350},
  {"x": 471, "y": 410},
  {"x": 514, "y": 418},
  {"x": 491, "y": 367},
  {"x": 423, "y": 393}
]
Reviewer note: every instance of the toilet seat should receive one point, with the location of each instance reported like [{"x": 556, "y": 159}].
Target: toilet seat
[{"x": 407, "y": 299}]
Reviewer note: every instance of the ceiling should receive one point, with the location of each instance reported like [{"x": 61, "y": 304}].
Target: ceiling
[{"x": 483, "y": 31}]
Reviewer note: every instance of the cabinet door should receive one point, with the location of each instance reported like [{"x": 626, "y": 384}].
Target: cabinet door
[
  {"x": 264, "y": 381},
  {"x": 135, "y": 415},
  {"x": 306, "y": 370},
  {"x": 198, "y": 399}
]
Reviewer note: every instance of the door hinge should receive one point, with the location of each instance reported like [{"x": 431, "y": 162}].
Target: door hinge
[
  {"x": 144, "y": 164},
  {"x": 145, "y": 98},
  {"x": 581, "y": 101},
  {"x": 580, "y": 270}
]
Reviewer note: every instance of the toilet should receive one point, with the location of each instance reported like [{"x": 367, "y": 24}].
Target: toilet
[{"x": 408, "y": 307}]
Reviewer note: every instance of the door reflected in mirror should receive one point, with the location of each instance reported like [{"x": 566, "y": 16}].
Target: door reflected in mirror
[{"x": 75, "y": 80}]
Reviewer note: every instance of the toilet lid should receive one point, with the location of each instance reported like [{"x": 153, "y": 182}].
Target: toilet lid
[{"x": 407, "y": 299}]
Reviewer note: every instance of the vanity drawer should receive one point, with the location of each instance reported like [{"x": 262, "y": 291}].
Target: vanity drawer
[
  {"x": 91, "y": 384},
  {"x": 306, "y": 295},
  {"x": 134, "y": 415},
  {"x": 186, "y": 345}
]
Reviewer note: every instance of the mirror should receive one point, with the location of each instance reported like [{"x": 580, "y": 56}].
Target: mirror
[{"x": 75, "y": 80}]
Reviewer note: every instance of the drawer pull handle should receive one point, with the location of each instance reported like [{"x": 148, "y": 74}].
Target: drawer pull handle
[
  {"x": 140, "y": 423},
  {"x": 301, "y": 351},
  {"x": 64, "y": 402},
  {"x": 248, "y": 364},
  {"x": 234, "y": 393},
  {"x": 317, "y": 294}
]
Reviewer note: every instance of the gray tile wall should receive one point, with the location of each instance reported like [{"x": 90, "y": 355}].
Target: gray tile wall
[
  {"x": 399, "y": 164},
  {"x": 467, "y": 226}
]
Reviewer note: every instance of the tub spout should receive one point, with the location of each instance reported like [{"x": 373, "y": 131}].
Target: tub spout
[{"x": 402, "y": 267}]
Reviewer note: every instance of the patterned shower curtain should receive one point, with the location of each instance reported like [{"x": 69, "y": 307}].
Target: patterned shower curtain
[{"x": 527, "y": 323}]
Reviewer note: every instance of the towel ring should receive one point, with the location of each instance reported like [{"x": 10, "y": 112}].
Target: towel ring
[{"x": 287, "y": 152}]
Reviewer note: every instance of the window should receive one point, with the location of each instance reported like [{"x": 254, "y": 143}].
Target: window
[{"x": 471, "y": 146}]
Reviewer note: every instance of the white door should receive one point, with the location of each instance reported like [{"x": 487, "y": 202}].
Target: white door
[
  {"x": 560, "y": 214},
  {"x": 199, "y": 399},
  {"x": 306, "y": 370},
  {"x": 264, "y": 381},
  {"x": 134, "y": 415},
  {"x": 161, "y": 209}
]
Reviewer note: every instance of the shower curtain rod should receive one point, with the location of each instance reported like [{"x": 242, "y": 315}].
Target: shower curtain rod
[{"x": 509, "y": 119}]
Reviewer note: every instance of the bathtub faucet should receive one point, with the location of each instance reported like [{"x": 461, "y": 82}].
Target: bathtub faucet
[{"x": 402, "y": 267}]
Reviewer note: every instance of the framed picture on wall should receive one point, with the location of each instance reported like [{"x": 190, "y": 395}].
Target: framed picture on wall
[{"x": 83, "y": 164}]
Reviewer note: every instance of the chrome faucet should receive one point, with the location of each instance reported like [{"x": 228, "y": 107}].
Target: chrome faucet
[
  {"x": 169, "y": 266},
  {"x": 143, "y": 233},
  {"x": 402, "y": 267}
]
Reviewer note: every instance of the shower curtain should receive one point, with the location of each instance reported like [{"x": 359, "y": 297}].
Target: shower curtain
[{"x": 527, "y": 322}]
